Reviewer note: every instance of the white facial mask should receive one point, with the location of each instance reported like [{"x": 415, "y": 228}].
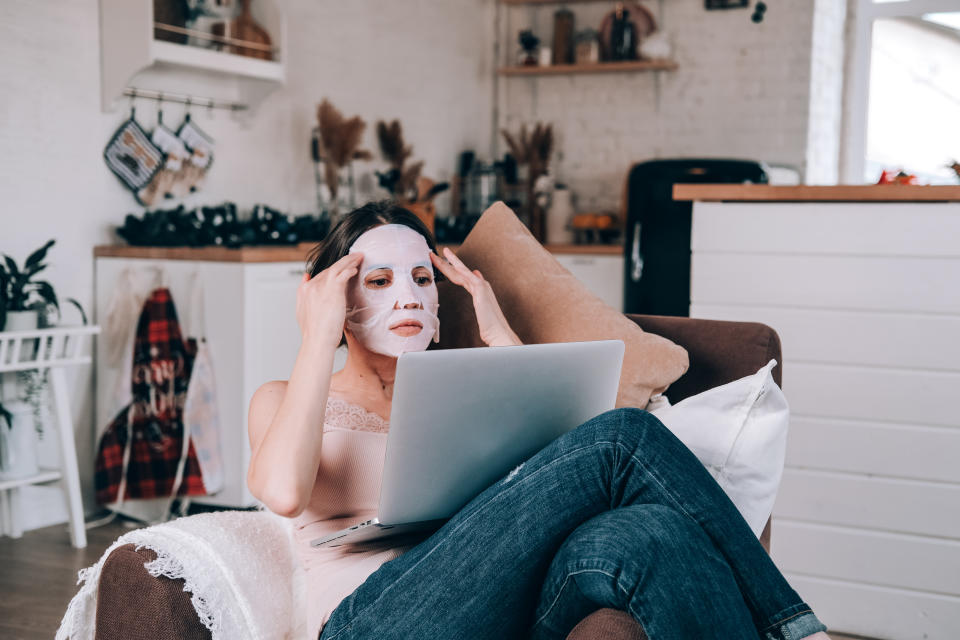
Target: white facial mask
[{"x": 372, "y": 310}]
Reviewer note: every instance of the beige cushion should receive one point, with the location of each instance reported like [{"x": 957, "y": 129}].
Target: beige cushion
[{"x": 543, "y": 302}]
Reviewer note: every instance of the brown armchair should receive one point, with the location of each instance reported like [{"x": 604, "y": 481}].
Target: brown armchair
[{"x": 133, "y": 604}]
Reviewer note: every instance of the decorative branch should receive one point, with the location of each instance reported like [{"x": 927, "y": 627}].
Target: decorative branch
[
  {"x": 534, "y": 150},
  {"x": 400, "y": 180},
  {"x": 340, "y": 139}
]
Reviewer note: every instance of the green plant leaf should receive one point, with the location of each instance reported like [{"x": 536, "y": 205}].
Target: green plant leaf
[
  {"x": 6, "y": 415},
  {"x": 83, "y": 314},
  {"x": 35, "y": 257},
  {"x": 12, "y": 266},
  {"x": 35, "y": 269},
  {"x": 18, "y": 292},
  {"x": 45, "y": 289}
]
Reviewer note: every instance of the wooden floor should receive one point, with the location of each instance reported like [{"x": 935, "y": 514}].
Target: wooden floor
[{"x": 38, "y": 575}]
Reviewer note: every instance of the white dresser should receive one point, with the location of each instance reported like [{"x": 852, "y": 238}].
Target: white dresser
[
  {"x": 866, "y": 299},
  {"x": 249, "y": 299}
]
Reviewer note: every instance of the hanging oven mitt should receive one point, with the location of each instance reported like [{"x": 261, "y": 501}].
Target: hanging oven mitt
[
  {"x": 164, "y": 183},
  {"x": 201, "y": 154},
  {"x": 132, "y": 156}
]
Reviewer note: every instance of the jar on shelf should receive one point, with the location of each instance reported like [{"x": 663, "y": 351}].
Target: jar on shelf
[
  {"x": 336, "y": 190},
  {"x": 482, "y": 187},
  {"x": 587, "y": 47},
  {"x": 529, "y": 52},
  {"x": 559, "y": 216}
]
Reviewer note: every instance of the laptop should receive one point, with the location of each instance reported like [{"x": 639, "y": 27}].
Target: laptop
[{"x": 461, "y": 419}]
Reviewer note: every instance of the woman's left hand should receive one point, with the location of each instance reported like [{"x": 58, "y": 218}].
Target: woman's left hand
[{"x": 494, "y": 329}]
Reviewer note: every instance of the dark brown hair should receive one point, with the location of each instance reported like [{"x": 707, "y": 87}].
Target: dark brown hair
[{"x": 356, "y": 223}]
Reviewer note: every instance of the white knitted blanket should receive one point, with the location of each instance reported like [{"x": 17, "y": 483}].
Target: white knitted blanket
[{"x": 240, "y": 568}]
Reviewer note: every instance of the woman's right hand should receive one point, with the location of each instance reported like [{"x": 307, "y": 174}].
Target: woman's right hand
[{"x": 322, "y": 301}]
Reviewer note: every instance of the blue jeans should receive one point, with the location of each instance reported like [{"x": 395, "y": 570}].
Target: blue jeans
[{"x": 615, "y": 513}]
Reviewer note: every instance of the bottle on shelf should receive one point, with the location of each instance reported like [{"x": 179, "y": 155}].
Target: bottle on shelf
[
  {"x": 559, "y": 216},
  {"x": 623, "y": 35}
]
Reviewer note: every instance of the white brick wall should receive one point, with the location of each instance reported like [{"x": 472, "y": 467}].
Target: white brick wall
[{"x": 742, "y": 90}]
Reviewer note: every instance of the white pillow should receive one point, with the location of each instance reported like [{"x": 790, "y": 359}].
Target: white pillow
[{"x": 739, "y": 432}]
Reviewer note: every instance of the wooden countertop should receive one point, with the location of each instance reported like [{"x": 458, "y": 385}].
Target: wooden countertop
[
  {"x": 292, "y": 253},
  {"x": 811, "y": 193}
]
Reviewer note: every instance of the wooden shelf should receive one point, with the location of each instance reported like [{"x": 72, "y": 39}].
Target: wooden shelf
[
  {"x": 198, "y": 58},
  {"x": 816, "y": 193},
  {"x": 586, "y": 249},
  {"x": 571, "y": 249},
  {"x": 599, "y": 67},
  {"x": 268, "y": 253},
  {"x": 523, "y": 2},
  {"x": 295, "y": 253}
]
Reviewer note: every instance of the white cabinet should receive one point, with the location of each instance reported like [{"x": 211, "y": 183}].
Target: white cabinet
[
  {"x": 252, "y": 334},
  {"x": 865, "y": 298},
  {"x": 271, "y": 333},
  {"x": 601, "y": 274}
]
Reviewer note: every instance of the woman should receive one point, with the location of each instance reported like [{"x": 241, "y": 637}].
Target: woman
[{"x": 615, "y": 513}]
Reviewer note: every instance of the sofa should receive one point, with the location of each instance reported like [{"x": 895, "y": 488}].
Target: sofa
[{"x": 133, "y": 604}]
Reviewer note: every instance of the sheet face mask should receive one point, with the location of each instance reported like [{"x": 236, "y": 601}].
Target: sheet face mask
[{"x": 371, "y": 311}]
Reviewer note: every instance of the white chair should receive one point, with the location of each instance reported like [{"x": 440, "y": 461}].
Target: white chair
[{"x": 48, "y": 349}]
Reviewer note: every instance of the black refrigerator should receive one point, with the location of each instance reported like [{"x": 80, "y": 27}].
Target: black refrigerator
[{"x": 657, "y": 232}]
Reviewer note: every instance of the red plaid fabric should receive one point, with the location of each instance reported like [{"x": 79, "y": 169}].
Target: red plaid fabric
[{"x": 162, "y": 362}]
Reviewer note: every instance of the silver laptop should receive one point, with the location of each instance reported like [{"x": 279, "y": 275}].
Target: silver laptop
[{"x": 463, "y": 418}]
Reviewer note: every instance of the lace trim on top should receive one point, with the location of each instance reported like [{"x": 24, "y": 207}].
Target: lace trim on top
[{"x": 341, "y": 414}]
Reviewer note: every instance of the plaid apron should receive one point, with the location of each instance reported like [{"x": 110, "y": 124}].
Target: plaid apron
[{"x": 144, "y": 452}]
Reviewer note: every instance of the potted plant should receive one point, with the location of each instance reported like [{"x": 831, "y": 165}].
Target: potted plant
[
  {"x": 18, "y": 442},
  {"x": 21, "y": 296}
]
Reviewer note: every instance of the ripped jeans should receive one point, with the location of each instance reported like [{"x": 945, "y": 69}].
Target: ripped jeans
[{"x": 615, "y": 513}]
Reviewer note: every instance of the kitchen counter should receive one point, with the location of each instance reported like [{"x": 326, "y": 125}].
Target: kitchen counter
[
  {"x": 860, "y": 284},
  {"x": 812, "y": 193},
  {"x": 293, "y": 253}
]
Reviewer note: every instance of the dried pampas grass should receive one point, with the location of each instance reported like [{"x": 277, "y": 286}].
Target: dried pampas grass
[
  {"x": 340, "y": 140},
  {"x": 533, "y": 149},
  {"x": 400, "y": 180}
]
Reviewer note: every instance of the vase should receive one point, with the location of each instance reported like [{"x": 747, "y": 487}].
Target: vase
[
  {"x": 19, "y": 321},
  {"x": 558, "y": 217},
  {"x": 336, "y": 204},
  {"x": 426, "y": 211},
  {"x": 18, "y": 443}
]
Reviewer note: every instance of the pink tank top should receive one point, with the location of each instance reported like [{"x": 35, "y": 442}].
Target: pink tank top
[{"x": 346, "y": 491}]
